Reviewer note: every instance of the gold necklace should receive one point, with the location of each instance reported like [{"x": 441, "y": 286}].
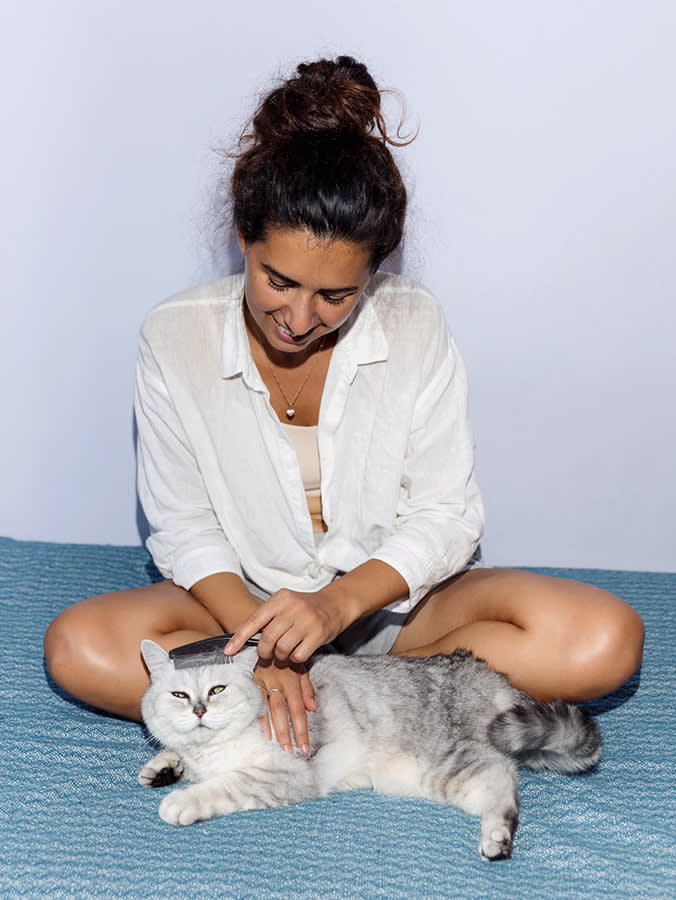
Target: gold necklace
[{"x": 290, "y": 411}]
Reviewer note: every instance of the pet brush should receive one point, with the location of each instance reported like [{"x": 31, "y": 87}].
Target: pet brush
[{"x": 205, "y": 653}]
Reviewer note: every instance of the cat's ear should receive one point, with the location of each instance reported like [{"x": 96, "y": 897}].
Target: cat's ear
[
  {"x": 154, "y": 656},
  {"x": 246, "y": 658}
]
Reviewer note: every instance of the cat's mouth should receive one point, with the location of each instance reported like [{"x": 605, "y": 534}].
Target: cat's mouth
[
  {"x": 199, "y": 734},
  {"x": 194, "y": 727}
]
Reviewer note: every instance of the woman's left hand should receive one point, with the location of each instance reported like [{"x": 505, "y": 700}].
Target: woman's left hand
[{"x": 292, "y": 625}]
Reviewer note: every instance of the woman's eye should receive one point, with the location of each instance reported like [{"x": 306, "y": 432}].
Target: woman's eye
[
  {"x": 276, "y": 286},
  {"x": 181, "y": 695},
  {"x": 333, "y": 300},
  {"x": 219, "y": 688}
]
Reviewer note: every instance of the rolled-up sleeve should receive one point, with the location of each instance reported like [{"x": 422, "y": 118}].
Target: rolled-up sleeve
[
  {"x": 186, "y": 541},
  {"x": 440, "y": 516}
]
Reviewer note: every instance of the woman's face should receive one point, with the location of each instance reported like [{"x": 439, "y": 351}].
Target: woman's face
[{"x": 299, "y": 287}]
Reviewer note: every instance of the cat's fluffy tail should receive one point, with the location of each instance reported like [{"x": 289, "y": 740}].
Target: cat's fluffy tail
[{"x": 556, "y": 736}]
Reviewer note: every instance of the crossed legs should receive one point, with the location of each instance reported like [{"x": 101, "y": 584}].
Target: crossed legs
[{"x": 552, "y": 637}]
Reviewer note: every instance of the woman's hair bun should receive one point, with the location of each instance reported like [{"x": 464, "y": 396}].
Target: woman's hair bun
[
  {"x": 322, "y": 97},
  {"x": 315, "y": 156}
]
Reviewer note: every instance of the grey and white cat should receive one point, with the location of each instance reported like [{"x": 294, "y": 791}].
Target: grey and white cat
[{"x": 446, "y": 728}]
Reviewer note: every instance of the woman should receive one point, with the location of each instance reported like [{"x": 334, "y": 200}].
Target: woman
[{"x": 305, "y": 457}]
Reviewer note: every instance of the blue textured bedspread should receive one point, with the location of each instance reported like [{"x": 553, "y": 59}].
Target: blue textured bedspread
[{"x": 76, "y": 824}]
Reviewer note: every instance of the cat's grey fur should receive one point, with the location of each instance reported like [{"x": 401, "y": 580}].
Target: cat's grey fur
[{"x": 444, "y": 727}]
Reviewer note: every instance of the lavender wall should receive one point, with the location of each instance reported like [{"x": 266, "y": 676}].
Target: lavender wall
[{"x": 543, "y": 216}]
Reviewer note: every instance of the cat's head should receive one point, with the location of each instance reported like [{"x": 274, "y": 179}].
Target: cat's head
[{"x": 188, "y": 706}]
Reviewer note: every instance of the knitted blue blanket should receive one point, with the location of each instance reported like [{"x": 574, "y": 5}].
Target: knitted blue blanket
[{"x": 75, "y": 823}]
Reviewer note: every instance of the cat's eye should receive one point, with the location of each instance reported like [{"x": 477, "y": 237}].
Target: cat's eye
[
  {"x": 181, "y": 695},
  {"x": 217, "y": 689}
]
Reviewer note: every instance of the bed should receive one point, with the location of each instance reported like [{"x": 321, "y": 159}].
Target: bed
[{"x": 76, "y": 824}]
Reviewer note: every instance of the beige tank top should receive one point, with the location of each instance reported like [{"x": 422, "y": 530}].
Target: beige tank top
[{"x": 304, "y": 440}]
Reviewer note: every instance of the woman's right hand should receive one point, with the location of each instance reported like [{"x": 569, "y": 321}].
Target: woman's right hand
[{"x": 289, "y": 694}]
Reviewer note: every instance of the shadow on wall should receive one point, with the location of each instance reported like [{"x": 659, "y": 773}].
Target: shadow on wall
[
  {"x": 225, "y": 257},
  {"x": 141, "y": 522}
]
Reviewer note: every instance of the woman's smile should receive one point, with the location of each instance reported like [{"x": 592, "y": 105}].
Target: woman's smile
[{"x": 286, "y": 334}]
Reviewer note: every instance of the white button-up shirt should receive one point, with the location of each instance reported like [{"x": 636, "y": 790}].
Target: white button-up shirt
[{"x": 219, "y": 480}]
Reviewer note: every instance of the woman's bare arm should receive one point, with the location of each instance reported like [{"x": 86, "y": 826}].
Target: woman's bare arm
[{"x": 227, "y": 598}]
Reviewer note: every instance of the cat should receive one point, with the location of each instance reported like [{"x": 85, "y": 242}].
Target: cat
[{"x": 447, "y": 728}]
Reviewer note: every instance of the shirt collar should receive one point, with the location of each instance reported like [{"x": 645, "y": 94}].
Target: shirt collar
[
  {"x": 237, "y": 359},
  {"x": 361, "y": 339}
]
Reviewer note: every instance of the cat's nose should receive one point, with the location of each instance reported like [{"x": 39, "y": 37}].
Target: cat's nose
[{"x": 199, "y": 710}]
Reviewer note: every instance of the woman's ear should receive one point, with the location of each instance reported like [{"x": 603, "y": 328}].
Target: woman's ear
[{"x": 241, "y": 242}]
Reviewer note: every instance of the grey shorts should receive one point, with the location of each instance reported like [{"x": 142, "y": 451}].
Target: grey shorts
[{"x": 377, "y": 632}]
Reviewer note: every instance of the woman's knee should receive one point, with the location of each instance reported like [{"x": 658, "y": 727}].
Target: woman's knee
[
  {"x": 619, "y": 637},
  {"x": 93, "y": 637},
  {"x": 65, "y": 640},
  {"x": 604, "y": 644}
]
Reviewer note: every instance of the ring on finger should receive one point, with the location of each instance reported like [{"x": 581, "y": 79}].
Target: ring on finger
[{"x": 274, "y": 691}]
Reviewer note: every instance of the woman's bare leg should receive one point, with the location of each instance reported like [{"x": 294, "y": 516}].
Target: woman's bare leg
[
  {"x": 93, "y": 647},
  {"x": 551, "y": 636}
]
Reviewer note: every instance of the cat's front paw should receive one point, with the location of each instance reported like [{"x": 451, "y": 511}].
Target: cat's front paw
[
  {"x": 163, "y": 769},
  {"x": 182, "y": 807}
]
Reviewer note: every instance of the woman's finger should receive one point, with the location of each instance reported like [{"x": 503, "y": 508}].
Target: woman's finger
[
  {"x": 279, "y": 717},
  {"x": 252, "y": 625},
  {"x": 275, "y": 632},
  {"x": 304, "y": 649},
  {"x": 298, "y": 715},
  {"x": 287, "y": 643},
  {"x": 307, "y": 691}
]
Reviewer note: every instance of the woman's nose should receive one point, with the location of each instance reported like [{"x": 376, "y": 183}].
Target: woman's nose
[{"x": 301, "y": 315}]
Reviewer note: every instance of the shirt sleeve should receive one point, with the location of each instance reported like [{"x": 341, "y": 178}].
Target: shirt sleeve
[
  {"x": 186, "y": 541},
  {"x": 440, "y": 516}
]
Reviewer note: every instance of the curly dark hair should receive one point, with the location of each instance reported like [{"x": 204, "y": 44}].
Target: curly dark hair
[{"x": 317, "y": 156}]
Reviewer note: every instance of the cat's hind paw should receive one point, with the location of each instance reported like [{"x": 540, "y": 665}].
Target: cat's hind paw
[
  {"x": 496, "y": 845},
  {"x": 164, "y": 769}
]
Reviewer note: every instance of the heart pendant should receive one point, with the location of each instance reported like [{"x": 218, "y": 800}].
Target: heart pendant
[{"x": 290, "y": 413}]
